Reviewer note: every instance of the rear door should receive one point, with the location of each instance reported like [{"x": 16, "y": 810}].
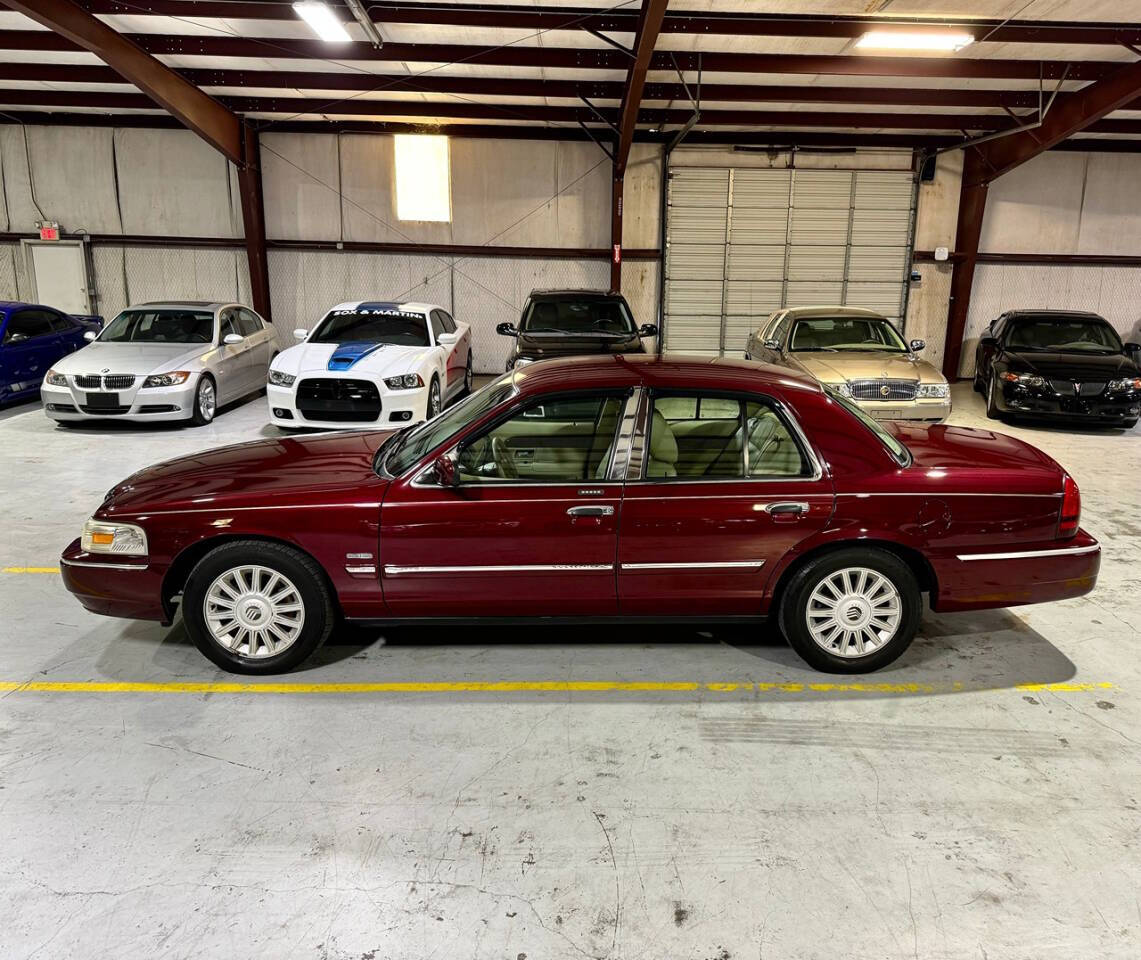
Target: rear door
[
  {"x": 531, "y": 530},
  {"x": 30, "y": 346},
  {"x": 261, "y": 345},
  {"x": 722, "y": 486}
]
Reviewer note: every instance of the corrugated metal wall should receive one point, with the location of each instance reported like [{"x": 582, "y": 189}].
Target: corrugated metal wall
[{"x": 743, "y": 242}]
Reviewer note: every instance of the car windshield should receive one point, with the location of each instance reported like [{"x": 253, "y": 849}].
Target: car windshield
[
  {"x": 589, "y": 316},
  {"x": 166, "y": 325},
  {"x": 407, "y": 448},
  {"x": 380, "y": 325},
  {"x": 1064, "y": 334},
  {"x": 898, "y": 451},
  {"x": 845, "y": 333}
]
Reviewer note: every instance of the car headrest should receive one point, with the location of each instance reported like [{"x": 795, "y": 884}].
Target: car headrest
[{"x": 663, "y": 443}]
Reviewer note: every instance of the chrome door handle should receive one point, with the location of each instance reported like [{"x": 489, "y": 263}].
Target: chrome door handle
[
  {"x": 593, "y": 510},
  {"x": 786, "y": 507}
]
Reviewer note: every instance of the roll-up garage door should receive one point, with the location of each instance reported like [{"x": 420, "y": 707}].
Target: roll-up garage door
[{"x": 742, "y": 243}]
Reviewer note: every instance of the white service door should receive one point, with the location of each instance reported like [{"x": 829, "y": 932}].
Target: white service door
[{"x": 60, "y": 274}]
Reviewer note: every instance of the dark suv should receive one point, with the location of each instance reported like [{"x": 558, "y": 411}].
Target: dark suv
[{"x": 565, "y": 323}]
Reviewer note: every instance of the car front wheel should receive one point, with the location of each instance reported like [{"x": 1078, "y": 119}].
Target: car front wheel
[
  {"x": 255, "y": 607},
  {"x": 205, "y": 402},
  {"x": 434, "y": 404},
  {"x": 992, "y": 410},
  {"x": 852, "y": 611}
]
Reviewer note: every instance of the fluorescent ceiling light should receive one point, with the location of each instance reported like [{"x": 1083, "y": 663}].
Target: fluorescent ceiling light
[
  {"x": 915, "y": 40},
  {"x": 321, "y": 18}
]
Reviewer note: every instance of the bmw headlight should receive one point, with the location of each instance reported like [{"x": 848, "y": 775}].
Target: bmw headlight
[
  {"x": 100, "y": 536},
  {"x": 279, "y": 379},
  {"x": 172, "y": 379},
  {"x": 408, "y": 381},
  {"x": 933, "y": 391},
  {"x": 841, "y": 388},
  {"x": 1031, "y": 380},
  {"x": 1114, "y": 386},
  {"x": 54, "y": 379}
]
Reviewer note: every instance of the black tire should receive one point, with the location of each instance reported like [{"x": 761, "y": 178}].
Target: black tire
[
  {"x": 202, "y": 412},
  {"x": 795, "y": 600},
  {"x": 978, "y": 381},
  {"x": 992, "y": 410},
  {"x": 467, "y": 377},
  {"x": 1129, "y": 424},
  {"x": 303, "y": 574}
]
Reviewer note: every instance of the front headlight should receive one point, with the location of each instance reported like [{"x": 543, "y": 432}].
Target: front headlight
[
  {"x": 934, "y": 391},
  {"x": 279, "y": 379},
  {"x": 841, "y": 388},
  {"x": 1031, "y": 380},
  {"x": 100, "y": 536},
  {"x": 55, "y": 379},
  {"x": 172, "y": 379},
  {"x": 408, "y": 381},
  {"x": 1114, "y": 386}
]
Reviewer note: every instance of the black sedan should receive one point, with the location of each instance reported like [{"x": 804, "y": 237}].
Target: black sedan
[{"x": 1055, "y": 364}]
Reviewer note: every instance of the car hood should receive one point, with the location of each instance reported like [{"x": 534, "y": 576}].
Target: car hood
[
  {"x": 284, "y": 471},
  {"x": 838, "y": 367},
  {"x": 547, "y": 346},
  {"x": 962, "y": 458},
  {"x": 370, "y": 360},
  {"x": 132, "y": 358},
  {"x": 1071, "y": 366}
]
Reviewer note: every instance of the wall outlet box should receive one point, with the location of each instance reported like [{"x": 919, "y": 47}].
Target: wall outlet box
[{"x": 942, "y": 253}]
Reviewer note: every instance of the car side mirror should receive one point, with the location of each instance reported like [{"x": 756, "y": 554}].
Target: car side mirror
[
  {"x": 771, "y": 345},
  {"x": 1133, "y": 350},
  {"x": 507, "y": 330},
  {"x": 90, "y": 335},
  {"x": 232, "y": 338},
  {"x": 300, "y": 334},
  {"x": 445, "y": 472},
  {"x": 447, "y": 339},
  {"x": 917, "y": 345},
  {"x": 648, "y": 330},
  {"x": 988, "y": 342}
]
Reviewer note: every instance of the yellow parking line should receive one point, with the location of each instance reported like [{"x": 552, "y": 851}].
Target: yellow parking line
[
  {"x": 29, "y": 570},
  {"x": 513, "y": 686}
]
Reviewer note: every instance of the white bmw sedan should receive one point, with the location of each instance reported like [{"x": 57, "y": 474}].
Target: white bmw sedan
[
  {"x": 368, "y": 363},
  {"x": 178, "y": 360}
]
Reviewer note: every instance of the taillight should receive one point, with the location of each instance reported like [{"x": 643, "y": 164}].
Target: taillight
[{"x": 1071, "y": 513}]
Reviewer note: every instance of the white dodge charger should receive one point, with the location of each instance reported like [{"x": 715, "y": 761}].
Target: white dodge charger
[{"x": 371, "y": 363}]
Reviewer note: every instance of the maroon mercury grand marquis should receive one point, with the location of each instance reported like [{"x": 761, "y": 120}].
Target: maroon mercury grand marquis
[{"x": 593, "y": 488}]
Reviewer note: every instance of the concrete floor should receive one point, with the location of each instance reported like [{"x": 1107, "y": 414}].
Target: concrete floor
[{"x": 980, "y": 798}]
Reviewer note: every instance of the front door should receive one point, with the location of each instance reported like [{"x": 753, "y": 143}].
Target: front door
[
  {"x": 531, "y": 528},
  {"x": 29, "y": 349},
  {"x": 726, "y": 487}
]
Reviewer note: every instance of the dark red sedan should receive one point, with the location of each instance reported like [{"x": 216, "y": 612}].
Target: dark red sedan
[{"x": 594, "y": 489}]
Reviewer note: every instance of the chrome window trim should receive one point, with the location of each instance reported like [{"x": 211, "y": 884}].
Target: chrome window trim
[
  {"x": 104, "y": 566},
  {"x": 1026, "y": 554},
  {"x": 623, "y": 444},
  {"x": 716, "y": 565},
  {"x": 395, "y": 571}
]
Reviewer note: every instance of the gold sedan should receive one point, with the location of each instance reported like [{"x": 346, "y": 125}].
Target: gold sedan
[{"x": 858, "y": 353}]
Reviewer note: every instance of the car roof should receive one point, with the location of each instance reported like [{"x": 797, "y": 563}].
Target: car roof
[
  {"x": 823, "y": 310},
  {"x": 408, "y": 306},
  {"x": 1054, "y": 314},
  {"x": 675, "y": 371},
  {"x": 599, "y": 294},
  {"x": 174, "y": 304}
]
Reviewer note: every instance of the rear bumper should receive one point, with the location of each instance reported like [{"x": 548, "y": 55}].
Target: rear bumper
[
  {"x": 127, "y": 587},
  {"x": 973, "y": 579}
]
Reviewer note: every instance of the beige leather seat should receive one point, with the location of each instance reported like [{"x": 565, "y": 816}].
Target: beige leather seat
[{"x": 663, "y": 449}]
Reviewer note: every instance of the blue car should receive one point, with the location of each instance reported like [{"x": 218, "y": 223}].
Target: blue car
[{"x": 32, "y": 338}]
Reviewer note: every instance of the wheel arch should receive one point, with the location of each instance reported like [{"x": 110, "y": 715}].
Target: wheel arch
[
  {"x": 174, "y": 581},
  {"x": 919, "y": 565}
]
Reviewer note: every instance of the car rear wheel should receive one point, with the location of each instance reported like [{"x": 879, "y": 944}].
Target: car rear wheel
[
  {"x": 255, "y": 607},
  {"x": 852, "y": 611},
  {"x": 205, "y": 402}
]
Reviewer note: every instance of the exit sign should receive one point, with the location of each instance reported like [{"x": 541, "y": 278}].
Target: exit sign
[{"x": 49, "y": 231}]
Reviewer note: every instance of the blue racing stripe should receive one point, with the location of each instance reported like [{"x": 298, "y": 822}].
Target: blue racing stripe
[{"x": 349, "y": 353}]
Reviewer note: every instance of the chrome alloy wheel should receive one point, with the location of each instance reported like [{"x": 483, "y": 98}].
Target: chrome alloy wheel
[
  {"x": 434, "y": 400},
  {"x": 254, "y": 612},
  {"x": 207, "y": 399},
  {"x": 853, "y": 612}
]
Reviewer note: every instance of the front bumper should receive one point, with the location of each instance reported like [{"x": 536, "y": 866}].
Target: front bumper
[
  {"x": 136, "y": 404},
  {"x": 1011, "y": 575},
  {"x": 398, "y": 408},
  {"x": 1018, "y": 400},
  {"x": 112, "y": 586},
  {"x": 931, "y": 411}
]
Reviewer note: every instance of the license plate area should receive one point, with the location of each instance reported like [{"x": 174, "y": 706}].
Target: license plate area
[{"x": 102, "y": 401}]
